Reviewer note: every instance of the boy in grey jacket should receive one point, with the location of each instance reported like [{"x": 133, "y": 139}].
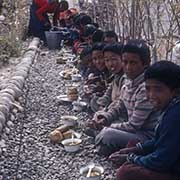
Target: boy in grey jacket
[
  {"x": 112, "y": 57},
  {"x": 141, "y": 116}
]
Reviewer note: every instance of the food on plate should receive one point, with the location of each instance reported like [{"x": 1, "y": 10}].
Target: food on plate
[{"x": 72, "y": 93}]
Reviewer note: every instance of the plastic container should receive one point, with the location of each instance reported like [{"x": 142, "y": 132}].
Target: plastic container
[{"x": 53, "y": 39}]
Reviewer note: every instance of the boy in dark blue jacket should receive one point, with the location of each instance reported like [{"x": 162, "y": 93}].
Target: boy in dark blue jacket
[{"x": 159, "y": 158}]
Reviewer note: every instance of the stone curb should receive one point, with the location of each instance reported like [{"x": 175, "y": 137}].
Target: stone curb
[{"x": 12, "y": 89}]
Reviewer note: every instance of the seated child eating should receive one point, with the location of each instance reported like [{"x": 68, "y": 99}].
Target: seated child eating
[
  {"x": 159, "y": 158},
  {"x": 112, "y": 57},
  {"x": 141, "y": 117},
  {"x": 97, "y": 80}
]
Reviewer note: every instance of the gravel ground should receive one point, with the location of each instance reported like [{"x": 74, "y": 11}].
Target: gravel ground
[{"x": 28, "y": 152}]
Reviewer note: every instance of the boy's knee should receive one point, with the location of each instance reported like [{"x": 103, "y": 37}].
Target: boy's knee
[
  {"x": 123, "y": 172},
  {"x": 107, "y": 136}
]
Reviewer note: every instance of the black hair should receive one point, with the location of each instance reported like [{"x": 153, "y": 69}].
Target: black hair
[
  {"x": 139, "y": 47},
  {"x": 97, "y": 36},
  {"x": 166, "y": 72},
  {"x": 98, "y": 47},
  {"x": 77, "y": 18},
  {"x": 85, "y": 19},
  {"x": 110, "y": 34},
  {"x": 115, "y": 48},
  {"x": 85, "y": 52},
  {"x": 64, "y": 4},
  {"x": 89, "y": 29}
]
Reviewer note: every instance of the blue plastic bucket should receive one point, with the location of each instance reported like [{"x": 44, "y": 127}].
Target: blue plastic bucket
[{"x": 53, "y": 39}]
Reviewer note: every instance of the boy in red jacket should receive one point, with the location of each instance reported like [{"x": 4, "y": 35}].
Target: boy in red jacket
[{"x": 39, "y": 20}]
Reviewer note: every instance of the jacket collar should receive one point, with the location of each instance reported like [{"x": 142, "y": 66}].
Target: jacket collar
[{"x": 135, "y": 82}]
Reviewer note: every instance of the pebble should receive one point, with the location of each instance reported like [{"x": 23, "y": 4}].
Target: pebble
[
  {"x": 2, "y": 18},
  {"x": 10, "y": 124},
  {"x": 2, "y": 143}
]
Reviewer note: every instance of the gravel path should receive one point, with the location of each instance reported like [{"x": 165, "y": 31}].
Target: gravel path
[{"x": 28, "y": 152}]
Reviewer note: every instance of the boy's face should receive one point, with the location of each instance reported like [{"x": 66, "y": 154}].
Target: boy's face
[
  {"x": 113, "y": 62},
  {"x": 158, "y": 93},
  {"x": 98, "y": 60},
  {"x": 87, "y": 60},
  {"x": 88, "y": 39},
  {"x": 132, "y": 65}
]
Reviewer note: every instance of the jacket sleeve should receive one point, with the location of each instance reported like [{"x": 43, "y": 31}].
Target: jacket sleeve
[
  {"x": 146, "y": 147},
  {"x": 140, "y": 113},
  {"x": 116, "y": 111},
  {"x": 167, "y": 147},
  {"x": 42, "y": 10},
  {"x": 106, "y": 98}
]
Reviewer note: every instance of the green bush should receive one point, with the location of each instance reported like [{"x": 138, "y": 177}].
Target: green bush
[{"x": 8, "y": 48}]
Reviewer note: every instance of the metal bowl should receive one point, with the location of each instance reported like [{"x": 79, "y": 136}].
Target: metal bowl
[
  {"x": 84, "y": 171},
  {"x": 79, "y": 106},
  {"x": 71, "y": 145},
  {"x": 69, "y": 120}
]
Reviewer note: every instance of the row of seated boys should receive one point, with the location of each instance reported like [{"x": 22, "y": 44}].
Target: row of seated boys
[{"x": 135, "y": 123}]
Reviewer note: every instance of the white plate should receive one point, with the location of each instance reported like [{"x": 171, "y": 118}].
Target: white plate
[{"x": 63, "y": 98}]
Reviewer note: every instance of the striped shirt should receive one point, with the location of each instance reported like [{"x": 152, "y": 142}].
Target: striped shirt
[{"x": 141, "y": 117}]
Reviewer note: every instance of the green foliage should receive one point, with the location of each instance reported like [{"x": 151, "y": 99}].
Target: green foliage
[{"x": 8, "y": 48}]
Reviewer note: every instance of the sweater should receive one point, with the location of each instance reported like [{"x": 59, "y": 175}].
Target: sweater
[
  {"x": 141, "y": 115},
  {"x": 113, "y": 91},
  {"x": 163, "y": 152}
]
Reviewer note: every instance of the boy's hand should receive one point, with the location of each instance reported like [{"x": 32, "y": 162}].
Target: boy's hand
[
  {"x": 91, "y": 124},
  {"x": 134, "y": 150},
  {"x": 118, "y": 158},
  {"x": 100, "y": 123},
  {"x": 97, "y": 124}
]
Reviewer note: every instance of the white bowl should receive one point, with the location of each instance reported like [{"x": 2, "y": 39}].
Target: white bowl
[
  {"x": 76, "y": 77},
  {"x": 69, "y": 120},
  {"x": 84, "y": 171},
  {"x": 79, "y": 105},
  {"x": 71, "y": 145}
]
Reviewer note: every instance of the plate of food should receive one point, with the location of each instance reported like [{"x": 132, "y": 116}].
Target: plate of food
[
  {"x": 63, "y": 98},
  {"x": 67, "y": 73}
]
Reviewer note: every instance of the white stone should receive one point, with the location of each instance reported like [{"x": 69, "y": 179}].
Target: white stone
[
  {"x": 0, "y": 151},
  {"x": 2, "y": 118},
  {"x": 7, "y": 130},
  {"x": 2, "y": 18},
  {"x": 10, "y": 124},
  {"x": 12, "y": 117},
  {"x": 14, "y": 110},
  {"x": 2, "y": 143},
  {"x": 1, "y": 127}
]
